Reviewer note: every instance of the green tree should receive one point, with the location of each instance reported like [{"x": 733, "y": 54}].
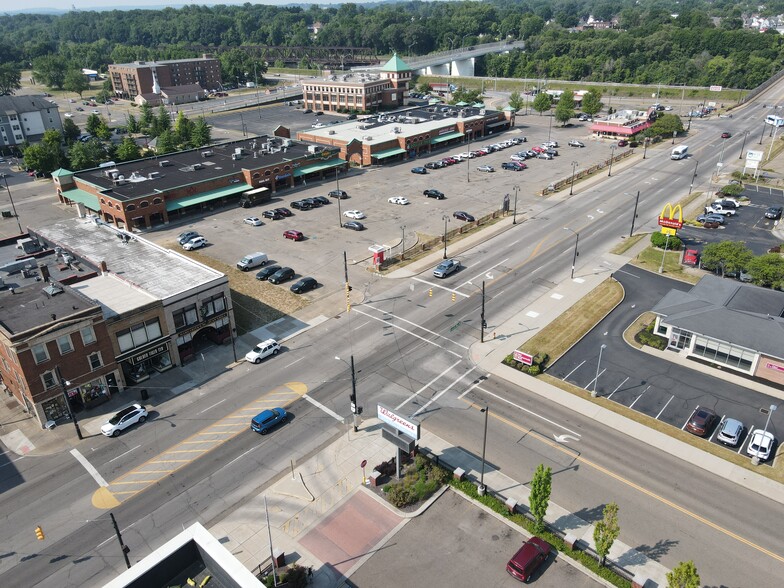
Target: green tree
[
  {"x": 767, "y": 270},
  {"x": 93, "y": 124},
  {"x": 103, "y": 131},
  {"x": 52, "y": 137},
  {"x": 10, "y": 78},
  {"x": 592, "y": 102},
  {"x": 665, "y": 126},
  {"x": 75, "y": 81},
  {"x": 51, "y": 70},
  {"x": 70, "y": 130},
  {"x": 183, "y": 127},
  {"x": 684, "y": 575},
  {"x": 162, "y": 121},
  {"x": 166, "y": 143},
  {"x": 84, "y": 155},
  {"x": 128, "y": 150},
  {"x": 606, "y": 531},
  {"x": 539, "y": 497},
  {"x": 200, "y": 135},
  {"x": 146, "y": 116},
  {"x": 542, "y": 102},
  {"x": 132, "y": 124},
  {"x": 564, "y": 110},
  {"x": 45, "y": 156},
  {"x": 516, "y": 101},
  {"x": 726, "y": 256},
  {"x": 465, "y": 95}
]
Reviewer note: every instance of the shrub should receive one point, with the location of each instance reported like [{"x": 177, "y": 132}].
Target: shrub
[
  {"x": 732, "y": 189},
  {"x": 660, "y": 241},
  {"x": 647, "y": 337}
]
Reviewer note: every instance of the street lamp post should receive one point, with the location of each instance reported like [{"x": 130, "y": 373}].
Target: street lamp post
[
  {"x": 446, "y": 220},
  {"x": 482, "y": 488},
  {"x": 674, "y": 134},
  {"x": 403, "y": 243},
  {"x": 337, "y": 183},
  {"x": 743, "y": 146},
  {"x": 645, "y": 147},
  {"x": 355, "y": 409},
  {"x": 13, "y": 207},
  {"x": 576, "y": 241},
  {"x": 612, "y": 157},
  {"x": 574, "y": 167},
  {"x": 469, "y": 133},
  {"x": 550, "y": 127},
  {"x": 514, "y": 213},
  {"x": 666, "y": 244},
  {"x": 723, "y": 145},
  {"x": 634, "y": 216},
  {"x": 764, "y": 125},
  {"x": 693, "y": 176},
  {"x": 63, "y": 384},
  {"x": 598, "y": 363},
  {"x": 483, "y": 324}
]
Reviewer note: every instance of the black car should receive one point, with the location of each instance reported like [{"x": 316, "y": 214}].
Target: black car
[
  {"x": 318, "y": 113},
  {"x": 284, "y": 274},
  {"x": 307, "y": 111},
  {"x": 301, "y": 205},
  {"x": 272, "y": 215},
  {"x": 321, "y": 200},
  {"x": 304, "y": 285},
  {"x": 265, "y": 273},
  {"x": 431, "y": 193},
  {"x": 284, "y": 211},
  {"x": 183, "y": 238},
  {"x": 354, "y": 226},
  {"x": 351, "y": 116},
  {"x": 463, "y": 216},
  {"x": 311, "y": 202},
  {"x": 435, "y": 165},
  {"x": 774, "y": 212},
  {"x": 339, "y": 194}
]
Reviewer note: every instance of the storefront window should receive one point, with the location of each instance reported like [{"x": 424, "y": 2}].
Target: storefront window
[{"x": 214, "y": 305}]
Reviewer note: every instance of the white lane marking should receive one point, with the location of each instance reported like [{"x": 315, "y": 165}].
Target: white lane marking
[
  {"x": 532, "y": 413},
  {"x": 426, "y": 386},
  {"x": 434, "y": 285},
  {"x": 295, "y": 361},
  {"x": 564, "y": 438},
  {"x": 474, "y": 385},
  {"x": 329, "y": 411},
  {"x": 125, "y": 453},
  {"x": 213, "y": 406},
  {"x": 618, "y": 387},
  {"x": 483, "y": 273},
  {"x": 400, "y": 318},
  {"x": 444, "y": 391},
  {"x": 665, "y": 406},
  {"x": 12, "y": 461},
  {"x": 241, "y": 455},
  {"x": 717, "y": 428},
  {"x": 683, "y": 428},
  {"x": 635, "y": 400},
  {"x": 410, "y": 333},
  {"x": 574, "y": 370},
  {"x": 748, "y": 439},
  {"x": 89, "y": 467}
]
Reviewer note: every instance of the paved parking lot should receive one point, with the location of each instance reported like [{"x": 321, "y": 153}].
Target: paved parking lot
[{"x": 650, "y": 385}]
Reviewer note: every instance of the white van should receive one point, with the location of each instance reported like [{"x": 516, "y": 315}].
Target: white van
[
  {"x": 774, "y": 120},
  {"x": 252, "y": 260},
  {"x": 680, "y": 152}
]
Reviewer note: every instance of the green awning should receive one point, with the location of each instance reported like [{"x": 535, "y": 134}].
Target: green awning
[
  {"x": 448, "y": 137},
  {"x": 187, "y": 201},
  {"x": 89, "y": 200},
  {"x": 317, "y": 167},
  {"x": 388, "y": 153},
  {"x": 478, "y": 105}
]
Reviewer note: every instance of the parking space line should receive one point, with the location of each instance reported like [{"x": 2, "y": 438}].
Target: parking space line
[
  {"x": 665, "y": 406},
  {"x": 683, "y": 428},
  {"x": 717, "y": 428},
  {"x": 595, "y": 378},
  {"x": 618, "y": 387},
  {"x": 748, "y": 439},
  {"x": 439, "y": 286},
  {"x": 574, "y": 370},
  {"x": 636, "y": 399},
  {"x": 426, "y": 386}
]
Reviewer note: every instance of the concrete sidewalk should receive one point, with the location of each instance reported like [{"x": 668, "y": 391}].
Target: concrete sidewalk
[{"x": 300, "y": 501}]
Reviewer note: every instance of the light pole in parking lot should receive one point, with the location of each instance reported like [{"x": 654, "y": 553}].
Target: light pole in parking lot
[
  {"x": 574, "y": 167},
  {"x": 764, "y": 126},
  {"x": 598, "y": 363},
  {"x": 337, "y": 182},
  {"x": 743, "y": 146},
  {"x": 576, "y": 241},
  {"x": 550, "y": 128},
  {"x": 468, "y": 133},
  {"x": 446, "y": 220},
  {"x": 612, "y": 156},
  {"x": 403, "y": 243}
]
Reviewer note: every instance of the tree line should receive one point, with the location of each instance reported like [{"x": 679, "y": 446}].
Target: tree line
[{"x": 693, "y": 42}]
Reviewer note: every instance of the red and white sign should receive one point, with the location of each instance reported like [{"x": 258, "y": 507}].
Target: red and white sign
[
  {"x": 523, "y": 357},
  {"x": 670, "y": 223},
  {"x": 408, "y": 426},
  {"x": 776, "y": 367},
  {"x": 715, "y": 88}
]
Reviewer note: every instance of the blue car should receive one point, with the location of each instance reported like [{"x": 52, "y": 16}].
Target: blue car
[{"x": 268, "y": 419}]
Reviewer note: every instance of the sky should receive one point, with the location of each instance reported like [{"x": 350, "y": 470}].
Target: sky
[{"x": 30, "y": 5}]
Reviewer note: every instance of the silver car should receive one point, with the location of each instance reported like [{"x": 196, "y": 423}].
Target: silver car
[
  {"x": 730, "y": 431},
  {"x": 446, "y": 267}
]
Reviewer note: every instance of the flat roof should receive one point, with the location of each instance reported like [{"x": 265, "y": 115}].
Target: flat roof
[
  {"x": 115, "y": 296},
  {"x": 29, "y": 306},
  {"x": 160, "y": 272},
  {"x": 137, "y": 181},
  {"x": 382, "y": 128}
]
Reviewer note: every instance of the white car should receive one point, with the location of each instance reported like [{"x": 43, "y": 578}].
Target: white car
[
  {"x": 195, "y": 243},
  {"x": 318, "y": 125},
  {"x": 253, "y": 220},
  {"x": 96, "y": 112},
  {"x": 760, "y": 444},
  {"x": 718, "y": 209},
  {"x": 128, "y": 416},
  {"x": 355, "y": 214},
  {"x": 518, "y": 157},
  {"x": 262, "y": 350},
  {"x": 398, "y": 200},
  {"x": 68, "y": 115}
]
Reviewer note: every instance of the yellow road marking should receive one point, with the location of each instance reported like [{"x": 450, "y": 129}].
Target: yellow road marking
[{"x": 634, "y": 485}]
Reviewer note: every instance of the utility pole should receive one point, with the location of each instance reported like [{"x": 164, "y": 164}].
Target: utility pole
[
  {"x": 355, "y": 409},
  {"x": 483, "y": 324},
  {"x": 125, "y": 549},
  {"x": 514, "y": 214},
  {"x": 63, "y": 383},
  {"x": 634, "y": 216},
  {"x": 348, "y": 286},
  {"x": 7, "y": 189}
]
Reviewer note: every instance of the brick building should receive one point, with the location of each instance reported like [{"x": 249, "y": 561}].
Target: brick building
[{"x": 130, "y": 80}]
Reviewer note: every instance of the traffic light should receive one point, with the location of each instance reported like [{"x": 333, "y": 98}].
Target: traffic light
[
  {"x": 39, "y": 533},
  {"x": 454, "y": 296},
  {"x": 430, "y": 292}
]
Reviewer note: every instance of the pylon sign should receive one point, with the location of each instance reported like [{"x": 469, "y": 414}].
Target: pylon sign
[{"x": 671, "y": 218}]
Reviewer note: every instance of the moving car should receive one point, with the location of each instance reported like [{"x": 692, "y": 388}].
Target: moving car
[
  {"x": 446, "y": 267},
  {"x": 701, "y": 421},
  {"x": 183, "y": 238},
  {"x": 264, "y": 349},
  {"x": 774, "y": 212},
  {"x": 576, "y": 143},
  {"x": 354, "y": 226},
  {"x": 253, "y": 220},
  {"x": 268, "y": 419},
  {"x": 272, "y": 215},
  {"x": 528, "y": 558},
  {"x": 398, "y": 200},
  {"x": 485, "y": 168},
  {"x": 354, "y": 214},
  {"x": 293, "y": 235},
  {"x": 282, "y": 275},
  {"x": 432, "y": 193},
  {"x": 725, "y": 135},
  {"x": 339, "y": 194},
  {"x": 418, "y": 170},
  {"x": 463, "y": 216},
  {"x": 691, "y": 257},
  {"x": 128, "y": 416},
  {"x": 730, "y": 431},
  {"x": 304, "y": 285},
  {"x": 195, "y": 243},
  {"x": 760, "y": 444},
  {"x": 265, "y": 273}
]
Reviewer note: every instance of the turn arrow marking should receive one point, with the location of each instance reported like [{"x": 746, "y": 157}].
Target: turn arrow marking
[{"x": 564, "y": 438}]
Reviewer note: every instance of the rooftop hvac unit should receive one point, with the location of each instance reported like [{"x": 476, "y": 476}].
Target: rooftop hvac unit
[
  {"x": 482, "y": 111},
  {"x": 239, "y": 151},
  {"x": 331, "y": 132},
  {"x": 235, "y": 156},
  {"x": 197, "y": 166},
  {"x": 367, "y": 138},
  {"x": 397, "y": 130},
  {"x": 311, "y": 148},
  {"x": 207, "y": 153},
  {"x": 164, "y": 163},
  {"x": 287, "y": 142},
  {"x": 109, "y": 172}
]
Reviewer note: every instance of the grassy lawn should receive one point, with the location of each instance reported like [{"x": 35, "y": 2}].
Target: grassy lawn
[{"x": 573, "y": 324}]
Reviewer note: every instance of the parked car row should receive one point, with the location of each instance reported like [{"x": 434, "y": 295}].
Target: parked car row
[
  {"x": 466, "y": 155},
  {"x": 730, "y": 432}
]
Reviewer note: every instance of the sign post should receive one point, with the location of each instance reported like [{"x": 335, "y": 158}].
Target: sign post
[{"x": 362, "y": 465}]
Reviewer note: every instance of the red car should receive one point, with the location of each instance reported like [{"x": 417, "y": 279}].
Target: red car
[
  {"x": 528, "y": 558},
  {"x": 725, "y": 135},
  {"x": 623, "y": 143},
  {"x": 294, "y": 235},
  {"x": 537, "y": 149},
  {"x": 691, "y": 257},
  {"x": 449, "y": 161}
]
